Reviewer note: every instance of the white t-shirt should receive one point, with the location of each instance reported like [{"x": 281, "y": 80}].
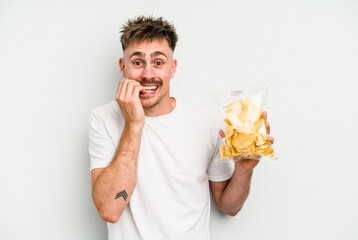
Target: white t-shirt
[{"x": 171, "y": 199}]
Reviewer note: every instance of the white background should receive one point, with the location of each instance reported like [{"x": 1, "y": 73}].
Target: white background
[{"x": 59, "y": 60}]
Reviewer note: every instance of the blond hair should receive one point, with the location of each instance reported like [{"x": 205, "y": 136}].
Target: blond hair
[{"x": 148, "y": 28}]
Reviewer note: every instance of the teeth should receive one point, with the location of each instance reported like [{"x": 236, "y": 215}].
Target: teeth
[{"x": 149, "y": 88}]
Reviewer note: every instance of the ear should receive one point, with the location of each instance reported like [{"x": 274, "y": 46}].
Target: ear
[
  {"x": 174, "y": 68},
  {"x": 122, "y": 67}
]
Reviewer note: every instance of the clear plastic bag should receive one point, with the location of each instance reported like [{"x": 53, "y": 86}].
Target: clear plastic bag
[{"x": 245, "y": 131}]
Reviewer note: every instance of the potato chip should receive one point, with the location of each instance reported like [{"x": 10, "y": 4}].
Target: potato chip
[
  {"x": 229, "y": 145},
  {"x": 227, "y": 121},
  {"x": 242, "y": 141},
  {"x": 225, "y": 152},
  {"x": 229, "y": 131},
  {"x": 245, "y": 132}
]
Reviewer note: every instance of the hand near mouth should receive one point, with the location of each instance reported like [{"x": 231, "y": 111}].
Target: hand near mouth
[{"x": 128, "y": 100}]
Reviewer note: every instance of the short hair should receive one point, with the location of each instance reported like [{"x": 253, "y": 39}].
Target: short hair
[{"x": 148, "y": 28}]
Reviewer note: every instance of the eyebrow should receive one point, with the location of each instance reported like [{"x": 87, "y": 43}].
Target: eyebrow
[
  {"x": 154, "y": 54},
  {"x": 157, "y": 53},
  {"x": 140, "y": 54}
]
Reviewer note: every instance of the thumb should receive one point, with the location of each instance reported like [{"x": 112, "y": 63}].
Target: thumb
[{"x": 221, "y": 132}]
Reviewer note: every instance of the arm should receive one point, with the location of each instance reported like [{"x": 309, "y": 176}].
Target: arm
[
  {"x": 231, "y": 195},
  {"x": 113, "y": 186}
]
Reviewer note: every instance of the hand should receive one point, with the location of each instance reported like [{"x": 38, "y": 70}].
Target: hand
[
  {"x": 267, "y": 125},
  {"x": 128, "y": 100},
  {"x": 247, "y": 165}
]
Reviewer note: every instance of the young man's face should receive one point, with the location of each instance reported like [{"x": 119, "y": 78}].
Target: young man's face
[{"x": 151, "y": 63}]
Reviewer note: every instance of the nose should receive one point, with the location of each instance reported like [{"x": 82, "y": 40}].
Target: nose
[{"x": 148, "y": 73}]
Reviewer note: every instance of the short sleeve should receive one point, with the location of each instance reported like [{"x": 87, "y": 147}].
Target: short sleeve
[
  {"x": 101, "y": 147},
  {"x": 218, "y": 172}
]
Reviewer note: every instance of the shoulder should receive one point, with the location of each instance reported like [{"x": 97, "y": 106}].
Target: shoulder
[
  {"x": 109, "y": 115},
  {"x": 107, "y": 111}
]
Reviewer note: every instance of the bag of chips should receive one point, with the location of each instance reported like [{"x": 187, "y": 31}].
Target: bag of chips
[{"x": 245, "y": 132}]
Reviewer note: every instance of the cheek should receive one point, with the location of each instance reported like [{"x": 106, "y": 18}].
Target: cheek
[
  {"x": 132, "y": 73},
  {"x": 165, "y": 73}
]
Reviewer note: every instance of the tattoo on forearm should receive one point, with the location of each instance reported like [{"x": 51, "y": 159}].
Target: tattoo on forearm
[{"x": 122, "y": 194}]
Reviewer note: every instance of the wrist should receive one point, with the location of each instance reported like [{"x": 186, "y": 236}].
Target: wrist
[
  {"x": 243, "y": 170},
  {"x": 134, "y": 127}
]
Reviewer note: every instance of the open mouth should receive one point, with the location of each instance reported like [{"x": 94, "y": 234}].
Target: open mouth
[{"x": 149, "y": 89}]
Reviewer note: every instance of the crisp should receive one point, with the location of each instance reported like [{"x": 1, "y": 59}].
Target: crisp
[{"x": 245, "y": 132}]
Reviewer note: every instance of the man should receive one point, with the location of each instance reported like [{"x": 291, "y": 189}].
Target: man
[{"x": 152, "y": 156}]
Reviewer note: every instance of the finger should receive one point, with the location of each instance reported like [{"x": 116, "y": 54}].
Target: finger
[
  {"x": 129, "y": 90},
  {"x": 122, "y": 93},
  {"x": 119, "y": 89},
  {"x": 271, "y": 140},
  {"x": 264, "y": 115},
  {"x": 222, "y": 134},
  {"x": 268, "y": 127},
  {"x": 138, "y": 88},
  {"x": 141, "y": 89}
]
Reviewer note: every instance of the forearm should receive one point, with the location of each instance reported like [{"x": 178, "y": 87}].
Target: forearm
[
  {"x": 119, "y": 178},
  {"x": 236, "y": 191}
]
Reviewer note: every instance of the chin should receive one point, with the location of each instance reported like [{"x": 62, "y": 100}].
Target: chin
[{"x": 148, "y": 103}]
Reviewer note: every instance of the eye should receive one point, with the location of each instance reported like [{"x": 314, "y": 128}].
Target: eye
[
  {"x": 158, "y": 63},
  {"x": 137, "y": 63}
]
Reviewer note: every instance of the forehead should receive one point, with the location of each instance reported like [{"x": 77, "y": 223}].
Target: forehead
[{"x": 148, "y": 47}]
